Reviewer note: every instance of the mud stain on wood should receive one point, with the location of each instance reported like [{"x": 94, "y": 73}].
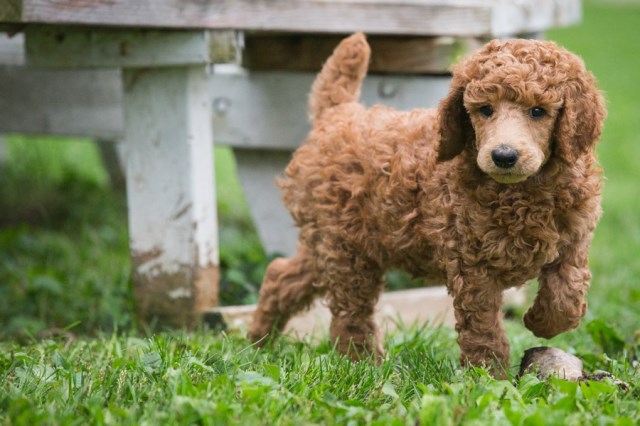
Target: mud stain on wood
[{"x": 176, "y": 298}]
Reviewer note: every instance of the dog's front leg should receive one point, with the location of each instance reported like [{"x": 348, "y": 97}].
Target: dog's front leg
[
  {"x": 560, "y": 303},
  {"x": 479, "y": 322}
]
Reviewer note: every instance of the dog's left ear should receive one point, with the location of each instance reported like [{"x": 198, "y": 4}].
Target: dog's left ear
[
  {"x": 579, "y": 124},
  {"x": 454, "y": 122}
]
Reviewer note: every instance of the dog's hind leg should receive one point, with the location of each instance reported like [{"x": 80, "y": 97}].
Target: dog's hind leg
[
  {"x": 289, "y": 286},
  {"x": 352, "y": 295}
]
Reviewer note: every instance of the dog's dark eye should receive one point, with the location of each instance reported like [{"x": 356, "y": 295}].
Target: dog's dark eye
[
  {"x": 486, "y": 110},
  {"x": 537, "y": 112}
]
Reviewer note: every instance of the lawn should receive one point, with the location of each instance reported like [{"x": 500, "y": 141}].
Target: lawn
[{"x": 69, "y": 354}]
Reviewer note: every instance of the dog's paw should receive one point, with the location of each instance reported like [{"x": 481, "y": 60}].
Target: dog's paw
[
  {"x": 358, "y": 340},
  {"x": 547, "y": 327}
]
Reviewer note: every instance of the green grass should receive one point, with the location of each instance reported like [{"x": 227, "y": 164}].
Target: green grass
[
  {"x": 63, "y": 241},
  {"x": 68, "y": 354},
  {"x": 203, "y": 379}
]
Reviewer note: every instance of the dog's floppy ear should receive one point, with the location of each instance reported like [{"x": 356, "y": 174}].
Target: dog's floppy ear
[
  {"x": 579, "y": 125},
  {"x": 455, "y": 124}
]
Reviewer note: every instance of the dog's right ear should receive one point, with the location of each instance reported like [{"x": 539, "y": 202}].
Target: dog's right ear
[{"x": 455, "y": 125}]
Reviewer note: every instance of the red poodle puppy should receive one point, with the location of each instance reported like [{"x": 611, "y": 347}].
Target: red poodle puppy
[{"x": 497, "y": 186}]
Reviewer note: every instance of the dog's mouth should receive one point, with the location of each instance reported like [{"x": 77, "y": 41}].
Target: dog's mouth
[{"x": 508, "y": 177}]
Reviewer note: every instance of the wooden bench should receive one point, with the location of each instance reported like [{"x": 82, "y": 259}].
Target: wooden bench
[{"x": 164, "y": 79}]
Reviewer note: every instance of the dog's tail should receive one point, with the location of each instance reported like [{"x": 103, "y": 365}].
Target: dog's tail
[{"x": 341, "y": 76}]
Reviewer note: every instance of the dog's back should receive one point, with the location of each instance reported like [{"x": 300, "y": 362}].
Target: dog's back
[{"x": 358, "y": 173}]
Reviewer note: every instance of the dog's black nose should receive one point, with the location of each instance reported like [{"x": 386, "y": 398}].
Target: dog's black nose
[{"x": 504, "y": 157}]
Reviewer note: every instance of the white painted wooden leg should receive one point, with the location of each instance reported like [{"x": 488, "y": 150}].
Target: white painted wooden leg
[
  {"x": 170, "y": 190},
  {"x": 257, "y": 170},
  {"x": 3, "y": 150},
  {"x": 113, "y": 161}
]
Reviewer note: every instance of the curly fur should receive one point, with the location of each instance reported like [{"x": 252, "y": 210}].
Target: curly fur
[{"x": 373, "y": 189}]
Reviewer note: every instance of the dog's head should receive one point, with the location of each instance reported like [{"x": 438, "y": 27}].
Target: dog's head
[{"x": 517, "y": 103}]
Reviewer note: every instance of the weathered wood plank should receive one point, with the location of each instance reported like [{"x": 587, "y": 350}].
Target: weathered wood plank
[
  {"x": 85, "y": 103},
  {"x": 407, "y": 17},
  {"x": 104, "y": 47},
  {"x": 89, "y": 103},
  {"x": 408, "y": 307},
  {"x": 275, "y": 103},
  {"x": 404, "y": 55},
  {"x": 170, "y": 192}
]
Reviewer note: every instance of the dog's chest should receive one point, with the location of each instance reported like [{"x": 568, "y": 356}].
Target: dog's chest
[{"x": 511, "y": 238}]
